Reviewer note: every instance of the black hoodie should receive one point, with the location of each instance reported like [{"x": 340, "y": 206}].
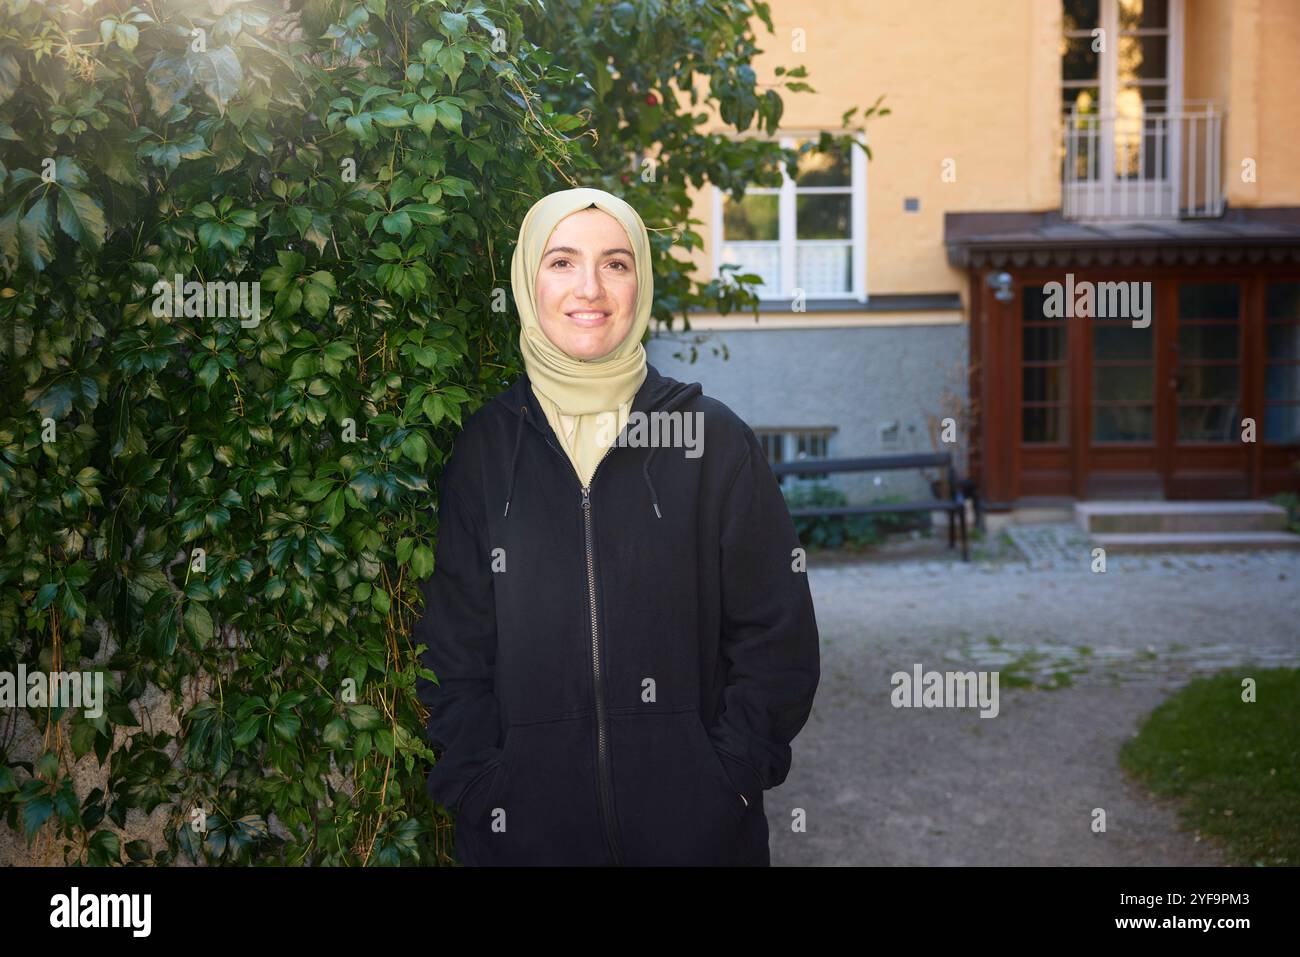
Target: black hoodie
[{"x": 621, "y": 668}]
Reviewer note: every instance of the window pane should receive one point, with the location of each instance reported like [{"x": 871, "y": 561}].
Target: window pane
[
  {"x": 824, "y": 167},
  {"x": 772, "y": 445},
  {"x": 1121, "y": 382},
  {"x": 1043, "y": 343},
  {"x": 1044, "y": 384},
  {"x": 1043, "y": 424},
  {"x": 1081, "y": 14},
  {"x": 1207, "y": 383},
  {"x": 822, "y": 217},
  {"x": 1208, "y": 300},
  {"x": 1084, "y": 100},
  {"x": 812, "y": 445},
  {"x": 823, "y": 270},
  {"x": 1121, "y": 342},
  {"x": 1128, "y": 423},
  {"x": 1031, "y": 306},
  {"x": 1143, "y": 14},
  {"x": 1282, "y": 382},
  {"x": 1132, "y": 102},
  {"x": 1283, "y": 341},
  {"x": 1142, "y": 58},
  {"x": 1078, "y": 61},
  {"x": 1208, "y": 423},
  {"x": 763, "y": 259},
  {"x": 1282, "y": 301},
  {"x": 1282, "y": 424},
  {"x": 757, "y": 218},
  {"x": 1207, "y": 342}
]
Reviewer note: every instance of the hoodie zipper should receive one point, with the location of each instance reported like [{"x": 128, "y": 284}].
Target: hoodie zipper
[
  {"x": 602, "y": 745},
  {"x": 602, "y": 737},
  {"x": 606, "y": 790}
]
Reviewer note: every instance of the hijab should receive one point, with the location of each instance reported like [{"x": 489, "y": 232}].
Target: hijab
[{"x": 586, "y": 401}]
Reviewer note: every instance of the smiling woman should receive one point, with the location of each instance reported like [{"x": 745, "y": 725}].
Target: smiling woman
[
  {"x": 586, "y": 288},
  {"x": 618, "y": 682}
]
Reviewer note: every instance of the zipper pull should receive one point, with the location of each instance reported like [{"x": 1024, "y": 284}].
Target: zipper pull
[{"x": 586, "y": 497}]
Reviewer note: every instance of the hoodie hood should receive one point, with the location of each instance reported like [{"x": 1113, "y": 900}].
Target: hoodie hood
[{"x": 658, "y": 393}]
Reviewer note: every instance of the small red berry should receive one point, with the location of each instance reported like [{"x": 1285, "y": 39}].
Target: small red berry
[{"x": 651, "y": 100}]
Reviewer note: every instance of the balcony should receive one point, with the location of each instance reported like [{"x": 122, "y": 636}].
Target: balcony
[{"x": 1145, "y": 164}]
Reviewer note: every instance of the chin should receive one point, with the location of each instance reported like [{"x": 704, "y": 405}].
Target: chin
[{"x": 589, "y": 347}]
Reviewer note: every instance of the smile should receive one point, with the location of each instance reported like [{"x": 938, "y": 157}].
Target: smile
[{"x": 587, "y": 318}]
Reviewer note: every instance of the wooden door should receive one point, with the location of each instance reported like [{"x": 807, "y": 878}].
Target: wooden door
[{"x": 1206, "y": 384}]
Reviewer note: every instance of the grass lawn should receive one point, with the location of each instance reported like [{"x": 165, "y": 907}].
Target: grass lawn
[{"x": 1234, "y": 766}]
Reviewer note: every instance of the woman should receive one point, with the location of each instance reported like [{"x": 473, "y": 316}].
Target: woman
[{"x": 622, "y": 632}]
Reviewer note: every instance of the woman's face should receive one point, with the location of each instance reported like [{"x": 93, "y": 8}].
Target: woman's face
[{"x": 586, "y": 285}]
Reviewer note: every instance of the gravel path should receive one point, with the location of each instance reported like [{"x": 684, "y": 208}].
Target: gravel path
[{"x": 1093, "y": 654}]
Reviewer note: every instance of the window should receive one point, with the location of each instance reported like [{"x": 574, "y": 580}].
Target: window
[
  {"x": 808, "y": 234},
  {"x": 1282, "y": 368},
  {"x": 1044, "y": 372},
  {"x": 791, "y": 445},
  {"x": 1123, "y": 381},
  {"x": 1126, "y": 125},
  {"x": 1208, "y": 373}
]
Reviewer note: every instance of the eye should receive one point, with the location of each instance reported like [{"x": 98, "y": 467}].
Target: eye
[{"x": 621, "y": 265}]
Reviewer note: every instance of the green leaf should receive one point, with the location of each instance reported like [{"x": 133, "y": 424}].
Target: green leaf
[
  {"x": 220, "y": 73},
  {"x": 451, "y": 61},
  {"x": 334, "y": 508},
  {"x": 398, "y": 223},
  {"x": 335, "y": 734},
  {"x": 127, "y": 36},
  {"x": 449, "y": 115},
  {"x": 10, "y": 75},
  {"x": 46, "y": 595},
  {"x": 422, "y": 562},
  {"x": 170, "y": 77},
  {"x": 35, "y": 813},
  {"x": 198, "y": 623},
  {"x": 365, "y": 717},
  {"x": 454, "y": 25},
  {"x": 316, "y": 299},
  {"x": 425, "y": 115},
  {"x": 36, "y": 233}
]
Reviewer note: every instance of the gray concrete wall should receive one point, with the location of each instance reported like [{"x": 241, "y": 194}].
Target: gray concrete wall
[{"x": 853, "y": 379}]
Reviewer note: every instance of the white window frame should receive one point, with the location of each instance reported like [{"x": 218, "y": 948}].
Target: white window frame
[
  {"x": 1108, "y": 85},
  {"x": 786, "y": 224},
  {"x": 790, "y": 447}
]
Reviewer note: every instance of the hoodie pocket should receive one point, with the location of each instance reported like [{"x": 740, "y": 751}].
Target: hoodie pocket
[
  {"x": 538, "y": 807},
  {"x": 676, "y": 804}
]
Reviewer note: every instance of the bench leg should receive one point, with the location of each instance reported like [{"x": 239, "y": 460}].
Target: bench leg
[
  {"x": 961, "y": 517},
  {"x": 951, "y": 530}
]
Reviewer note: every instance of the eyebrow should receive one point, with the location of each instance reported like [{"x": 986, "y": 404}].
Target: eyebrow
[{"x": 575, "y": 252}]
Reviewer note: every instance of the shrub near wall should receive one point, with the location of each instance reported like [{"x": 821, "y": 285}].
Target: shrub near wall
[{"x": 233, "y": 506}]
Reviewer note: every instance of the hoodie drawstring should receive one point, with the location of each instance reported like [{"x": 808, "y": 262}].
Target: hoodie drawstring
[
  {"x": 645, "y": 470},
  {"x": 514, "y": 456},
  {"x": 645, "y": 466}
]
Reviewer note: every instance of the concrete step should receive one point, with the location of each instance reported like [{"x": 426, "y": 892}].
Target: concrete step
[
  {"x": 1194, "y": 541},
  {"x": 1106, "y": 518}
]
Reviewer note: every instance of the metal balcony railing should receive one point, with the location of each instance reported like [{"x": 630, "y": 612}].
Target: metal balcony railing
[{"x": 1151, "y": 163}]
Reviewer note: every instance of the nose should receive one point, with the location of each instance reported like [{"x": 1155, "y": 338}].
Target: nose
[{"x": 588, "y": 284}]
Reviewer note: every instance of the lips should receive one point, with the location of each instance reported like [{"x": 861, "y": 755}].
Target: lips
[{"x": 588, "y": 317}]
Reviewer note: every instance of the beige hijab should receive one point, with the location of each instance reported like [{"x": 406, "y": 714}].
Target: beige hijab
[{"x": 586, "y": 401}]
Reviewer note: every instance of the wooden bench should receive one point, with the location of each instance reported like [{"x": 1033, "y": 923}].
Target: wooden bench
[{"x": 954, "y": 504}]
